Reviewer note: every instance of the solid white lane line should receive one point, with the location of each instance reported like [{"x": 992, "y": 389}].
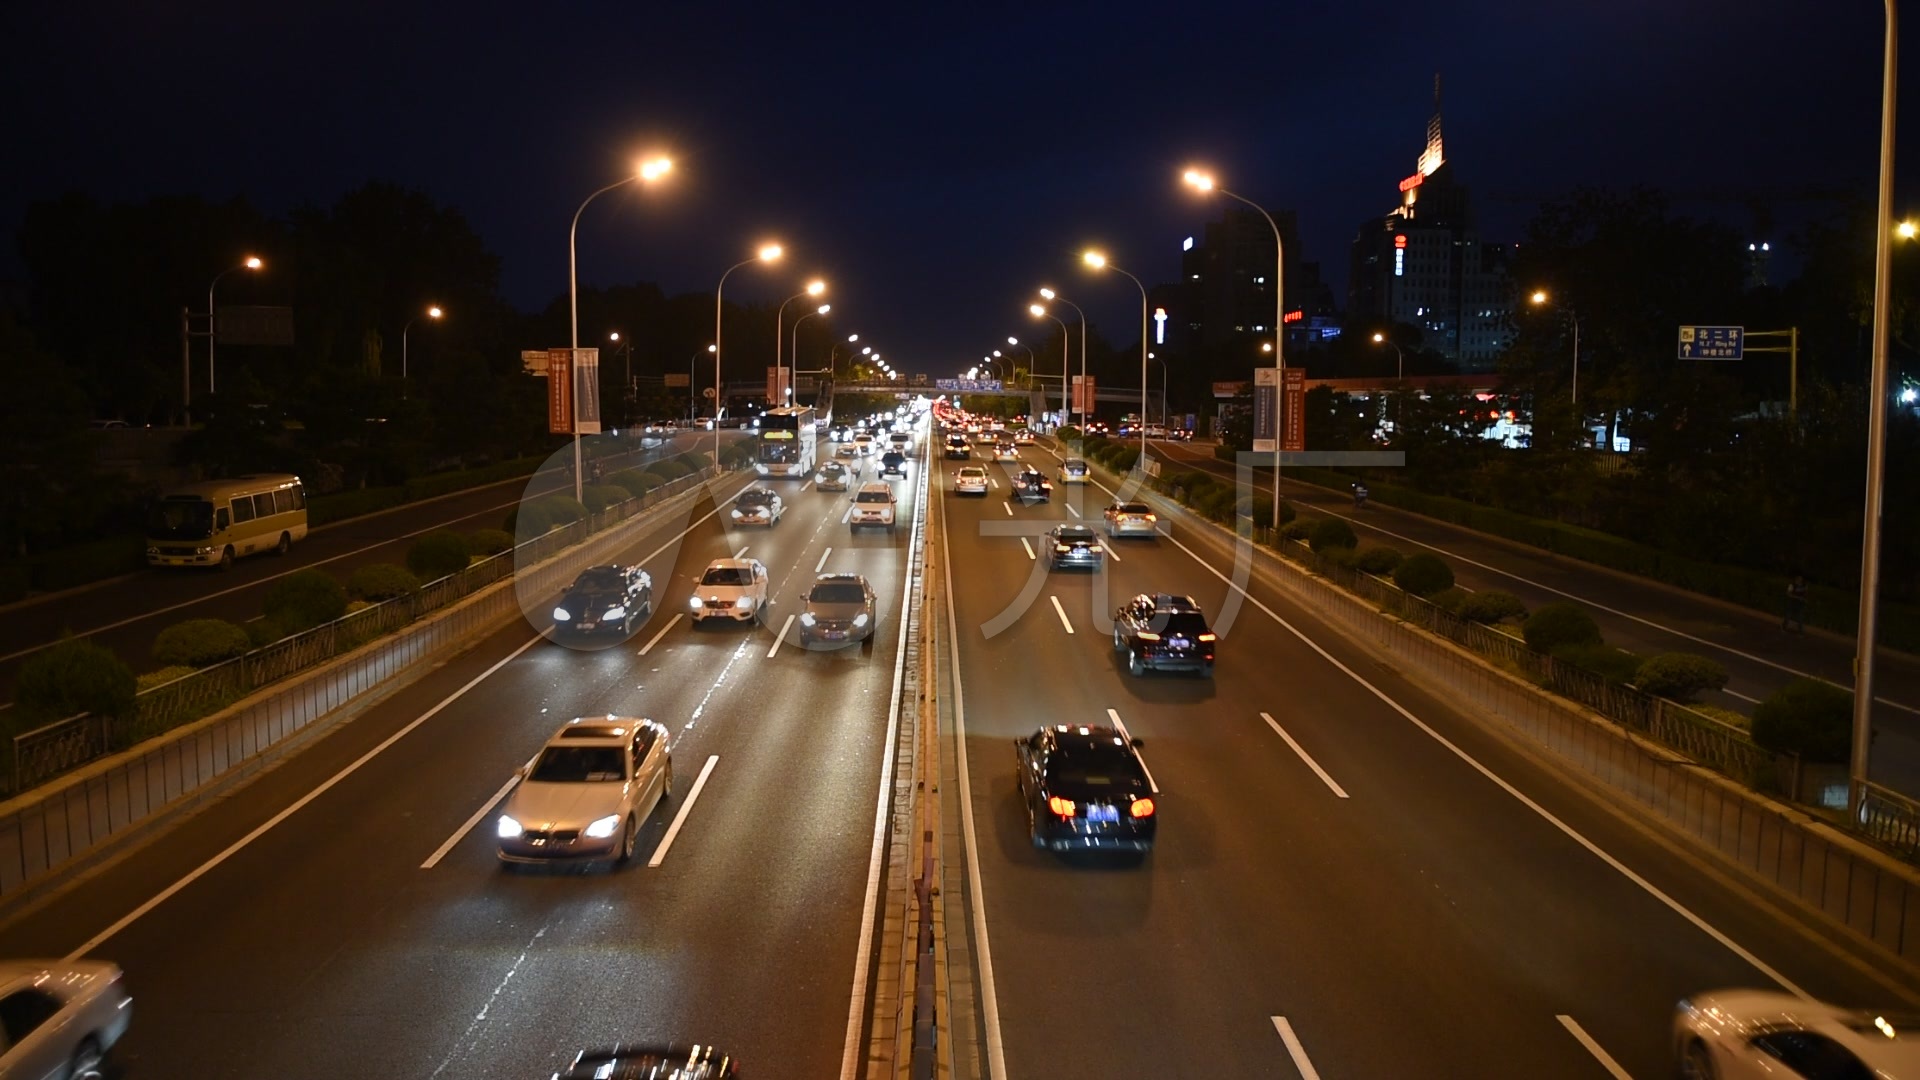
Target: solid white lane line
[
  {"x": 847, "y": 514},
  {"x": 1112, "y": 554},
  {"x": 1744, "y": 697},
  {"x": 260, "y": 830},
  {"x": 1071, "y": 510},
  {"x": 1294, "y": 1050},
  {"x": 441, "y": 851},
  {"x": 1605, "y": 1059},
  {"x": 1474, "y": 763},
  {"x": 686, "y": 807},
  {"x": 1121, "y": 726},
  {"x": 1008, "y": 507},
  {"x": 983, "y": 951},
  {"x": 823, "y": 560},
  {"x": 1304, "y": 756},
  {"x": 655, "y": 639},
  {"x": 1060, "y": 611},
  {"x": 806, "y": 485},
  {"x": 781, "y": 637},
  {"x": 991, "y": 481},
  {"x": 742, "y": 552},
  {"x": 1030, "y": 555}
]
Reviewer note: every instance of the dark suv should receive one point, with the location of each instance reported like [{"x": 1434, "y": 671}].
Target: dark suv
[{"x": 1164, "y": 631}]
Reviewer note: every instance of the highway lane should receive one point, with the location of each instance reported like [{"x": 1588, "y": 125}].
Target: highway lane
[
  {"x": 324, "y": 948},
  {"x": 126, "y": 614},
  {"x": 1430, "y": 923},
  {"x": 1640, "y": 616}
]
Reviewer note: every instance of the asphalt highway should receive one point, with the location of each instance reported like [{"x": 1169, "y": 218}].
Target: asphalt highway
[
  {"x": 337, "y": 917},
  {"x": 1351, "y": 878},
  {"x": 125, "y": 614}
]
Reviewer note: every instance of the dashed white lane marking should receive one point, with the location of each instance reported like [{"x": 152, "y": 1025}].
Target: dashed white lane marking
[
  {"x": 486, "y": 807},
  {"x": 1304, "y": 756},
  {"x": 742, "y": 552},
  {"x": 781, "y": 637},
  {"x": 1060, "y": 611},
  {"x": 1072, "y": 511},
  {"x": 847, "y": 514},
  {"x": 679, "y": 819},
  {"x": 1121, "y": 726},
  {"x": 1030, "y": 555},
  {"x": 655, "y": 639},
  {"x": 1605, "y": 1059},
  {"x": 823, "y": 560},
  {"x": 1294, "y": 1050},
  {"x": 1008, "y": 507},
  {"x": 1112, "y": 554}
]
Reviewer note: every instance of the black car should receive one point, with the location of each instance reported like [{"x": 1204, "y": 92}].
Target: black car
[
  {"x": 605, "y": 598},
  {"x": 1073, "y": 545},
  {"x": 958, "y": 449},
  {"x": 1163, "y": 632},
  {"x": 1085, "y": 790},
  {"x": 692, "y": 1062},
  {"x": 893, "y": 463},
  {"x": 1032, "y": 485}
]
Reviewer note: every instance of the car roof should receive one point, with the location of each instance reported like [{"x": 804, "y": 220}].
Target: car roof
[
  {"x": 840, "y": 579},
  {"x": 1075, "y": 531},
  {"x": 877, "y": 485},
  {"x": 733, "y": 564},
  {"x": 597, "y": 731},
  {"x": 1171, "y": 602}
]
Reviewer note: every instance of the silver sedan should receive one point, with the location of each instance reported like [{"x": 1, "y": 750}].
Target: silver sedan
[
  {"x": 61, "y": 1017},
  {"x": 1131, "y": 519},
  {"x": 588, "y": 791}
]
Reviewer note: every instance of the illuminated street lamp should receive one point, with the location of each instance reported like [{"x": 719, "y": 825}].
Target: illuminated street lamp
[
  {"x": 646, "y": 173},
  {"x": 767, "y": 253},
  {"x": 1540, "y": 299},
  {"x": 1039, "y": 311},
  {"x": 1400, "y": 358},
  {"x": 1099, "y": 261},
  {"x": 814, "y": 288},
  {"x": 433, "y": 312},
  {"x": 1054, "y": 297},
  {"x": 251, "y": 262},
  {"x": 793, "y": 357}
]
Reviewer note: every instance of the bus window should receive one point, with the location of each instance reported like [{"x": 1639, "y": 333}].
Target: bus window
[
  {"x": 242, "y": 509},
  {"x": 263, "y": 504},
  {"x": 287, "y": 500},
  {"x": 220, "y": 522}
]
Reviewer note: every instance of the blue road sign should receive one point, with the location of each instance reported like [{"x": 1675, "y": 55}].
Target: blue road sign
[{"x": 1712, "y": 342}]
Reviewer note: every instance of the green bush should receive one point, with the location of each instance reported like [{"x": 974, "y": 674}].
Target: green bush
[
  {"x": 1341, "y": 556},
  {"x": 263, "y": 632},
  {"x": 633, "y": 481},
  {"x": 438, "y": 554},
  {"x": 1124, "y": 458},
  {"x": 489, "y": 541},
  {"x": 736, "y": 455},
  {"x": 1300, "y": 528},
  {"x": 303, "y": 600},
  {"x": 1332, "y": 532},
  {"x": 1423, "y": 573},
  {"x": 1379, "y": 559},
  {"x": 165, "y": 675},
  {"x": 1807, "y": 717},
  {"x": 1680, "y": 676},
  {"x": 384, "y": 581},
  {"x": 74, "y": 676},
  {"x": 654, "y": 480},
  {"x": 1066, "y": 433},
  {"x": 1449, "y": 599},
  {"x": 1605, "y": 661},
  {"x": 669, "y": 469},
  {"x": 1492, "y": 606},
  {"x": 1258, "y": 509},
  {"x": 1215, "y": 504},
  {"x": 601, "y": 496},
  {"x": 197, "y": 643},
  {"x": 562, "y": 509},
  {"x": 1559, "y": 625},
  {"x": 696, "y": 460}
]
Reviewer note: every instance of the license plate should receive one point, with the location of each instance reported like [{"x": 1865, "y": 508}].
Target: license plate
[
  {"x": 1102, "y": 814},
  {"x": 588, "y": 625}
]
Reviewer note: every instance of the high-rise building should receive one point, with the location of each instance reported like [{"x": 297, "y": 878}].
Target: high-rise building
[
  {"x": 1221, "y": 311},
  {"x": 1423, "y": 264}
]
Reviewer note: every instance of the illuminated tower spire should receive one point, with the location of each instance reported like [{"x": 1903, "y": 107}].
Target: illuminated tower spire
[{"x": 1433, "y": 156}]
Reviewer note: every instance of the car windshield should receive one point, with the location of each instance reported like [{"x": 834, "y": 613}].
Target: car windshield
[
  {"x": 1074, "y": 534},
  {"x": 599, "y": 577},
  {"x": 726, "y": 575},
  {"x": 578, "y": 765},
  {"x": 181, "y": 519},
  {"x": 756, "y": 497},
  {"x": 875, "y": 496},
  {"x": 838, "y": 592}
]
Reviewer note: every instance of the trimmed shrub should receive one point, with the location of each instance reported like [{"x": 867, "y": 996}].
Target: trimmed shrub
[
  {"x": 303, "y": 600},
  {"x": 263, "y": 632},
  {"x": 1423, "y": 573},
  {"x": 1492, "y": 606},
  {"x": 600, "y": 496},
  {"x": 165, "y": 675},
  {"x": 1559, "y": 625},
  {"x": 1332, "y": 532},
  {"x": 74, "y": 676},
  {"x": 1680, "y": 676},
  {"x": 1125, "y": 458},
  {"x": 196, "y": 643},
  {"x": 384, "y": 581},
  {"x": 1609, "y": 663},
  {"x": 1379, "y": 559},
  {"x": 1807, "y": 717},
  {"x": 669, "y": 469},
  {"x": 1258, "y": 509},
  {"x": 1449, "y": 599},
  {"x": 633, "y": 481},
  {"x": 1066, "y": 432},
  {"x": 696, "y": 460},
  {"x": 489, "y": 541},
  {"x": 1341, "y": 556},
  {"x": 654, "y": 480},
  {"x": 562, "y": 509},
  {"x": 1299, "y": 529},
  {"x": 438, "y": 554},
  {"x": 1215, "y": 503}
]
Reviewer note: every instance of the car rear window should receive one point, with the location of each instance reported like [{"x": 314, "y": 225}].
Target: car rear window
[
  {"x": 1135, "y": 508},
  {"x": 1074, "y": 534},
  {"x": 1095, "y": 766}
]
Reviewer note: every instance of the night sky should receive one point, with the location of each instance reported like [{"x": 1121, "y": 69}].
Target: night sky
[{"x": 935, "y": 163}]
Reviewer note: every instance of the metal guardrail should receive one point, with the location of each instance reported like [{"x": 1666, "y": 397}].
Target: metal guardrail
[
  {"x": 47, "y": 752},
  {"x": 1890, "y": 818}
]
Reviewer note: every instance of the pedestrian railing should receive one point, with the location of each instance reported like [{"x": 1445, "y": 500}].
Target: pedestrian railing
[{"x": 1890, "y": 818}]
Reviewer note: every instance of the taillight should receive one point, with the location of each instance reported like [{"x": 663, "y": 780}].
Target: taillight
[
  {"x": 1148, "y": 635},
  {"x": 1143, "y": 808},
  {"x": 1206, "y": 637},
  {"x": 1061, "y": 807}
]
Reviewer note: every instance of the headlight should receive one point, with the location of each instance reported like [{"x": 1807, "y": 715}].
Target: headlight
[
  {"x": 697, "y": 605},
  {"x": 561, "y": 614},
  {"x": 508, "y": 828},
  {"x": 743, "y": 602},
  {"x": 761, "y": 469},
  {"x": 806, "y": 618},
  {"x": 204, "y": 551},
  {"x": 615, "y": 613},
  {"x": 603, "y": 828},
  {"x": 860, "y": 619},
  {"x": 736, "y": 513}
]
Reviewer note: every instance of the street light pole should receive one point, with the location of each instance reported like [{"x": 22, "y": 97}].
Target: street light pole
[
  {"x": 1399, "y": 358},
  {"x": 814, "y": 288},
  {"x": 1876, "y": 435},
  {"x": 793, "y": 354},
  {"x": 433, "y": 312},
  {"x": 251, "y": 262},
  {"x": 1040, "y": 311},
  {"x": 767, "y": 253},
  {"x": 1099, "y": 261},
  {"x": 1051, "y": 295}
]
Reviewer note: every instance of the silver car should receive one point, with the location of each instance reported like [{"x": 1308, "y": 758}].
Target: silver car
[
  {"x": 839, "y": 607},
  {"x": 61, "y": 1017},
  {"x": 832, "y": 476},
  {"x": 587, "y": 792},
  {"x": 1131, "y": 519}
]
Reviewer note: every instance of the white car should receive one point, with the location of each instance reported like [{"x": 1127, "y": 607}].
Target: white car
[
  {"x": 833, "y": 476},
  {"x": 1131, "y": 519},
  {"x": 901, "y": 441},
  {"x": 1737, "y": 1034},
  {"x": 844, "y": 453},
  {"x": 730, "y": 589},
  {"x": 1023, "y": 437},
  {"x": 971, "y": 480},
  {"x": 758, "y": 506},
  {"x": 586, "y": 794},
  {"x": 1006, "y": 451},
  {"x": 864, "y": 445},
  {"x": 873, "y": 506},
  {"x": 61, "y": 1016}
]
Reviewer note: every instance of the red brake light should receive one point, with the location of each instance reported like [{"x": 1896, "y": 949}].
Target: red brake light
[
  {"x": 1061, "y": 807},
  {"x": 1143, "y": 808}
]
